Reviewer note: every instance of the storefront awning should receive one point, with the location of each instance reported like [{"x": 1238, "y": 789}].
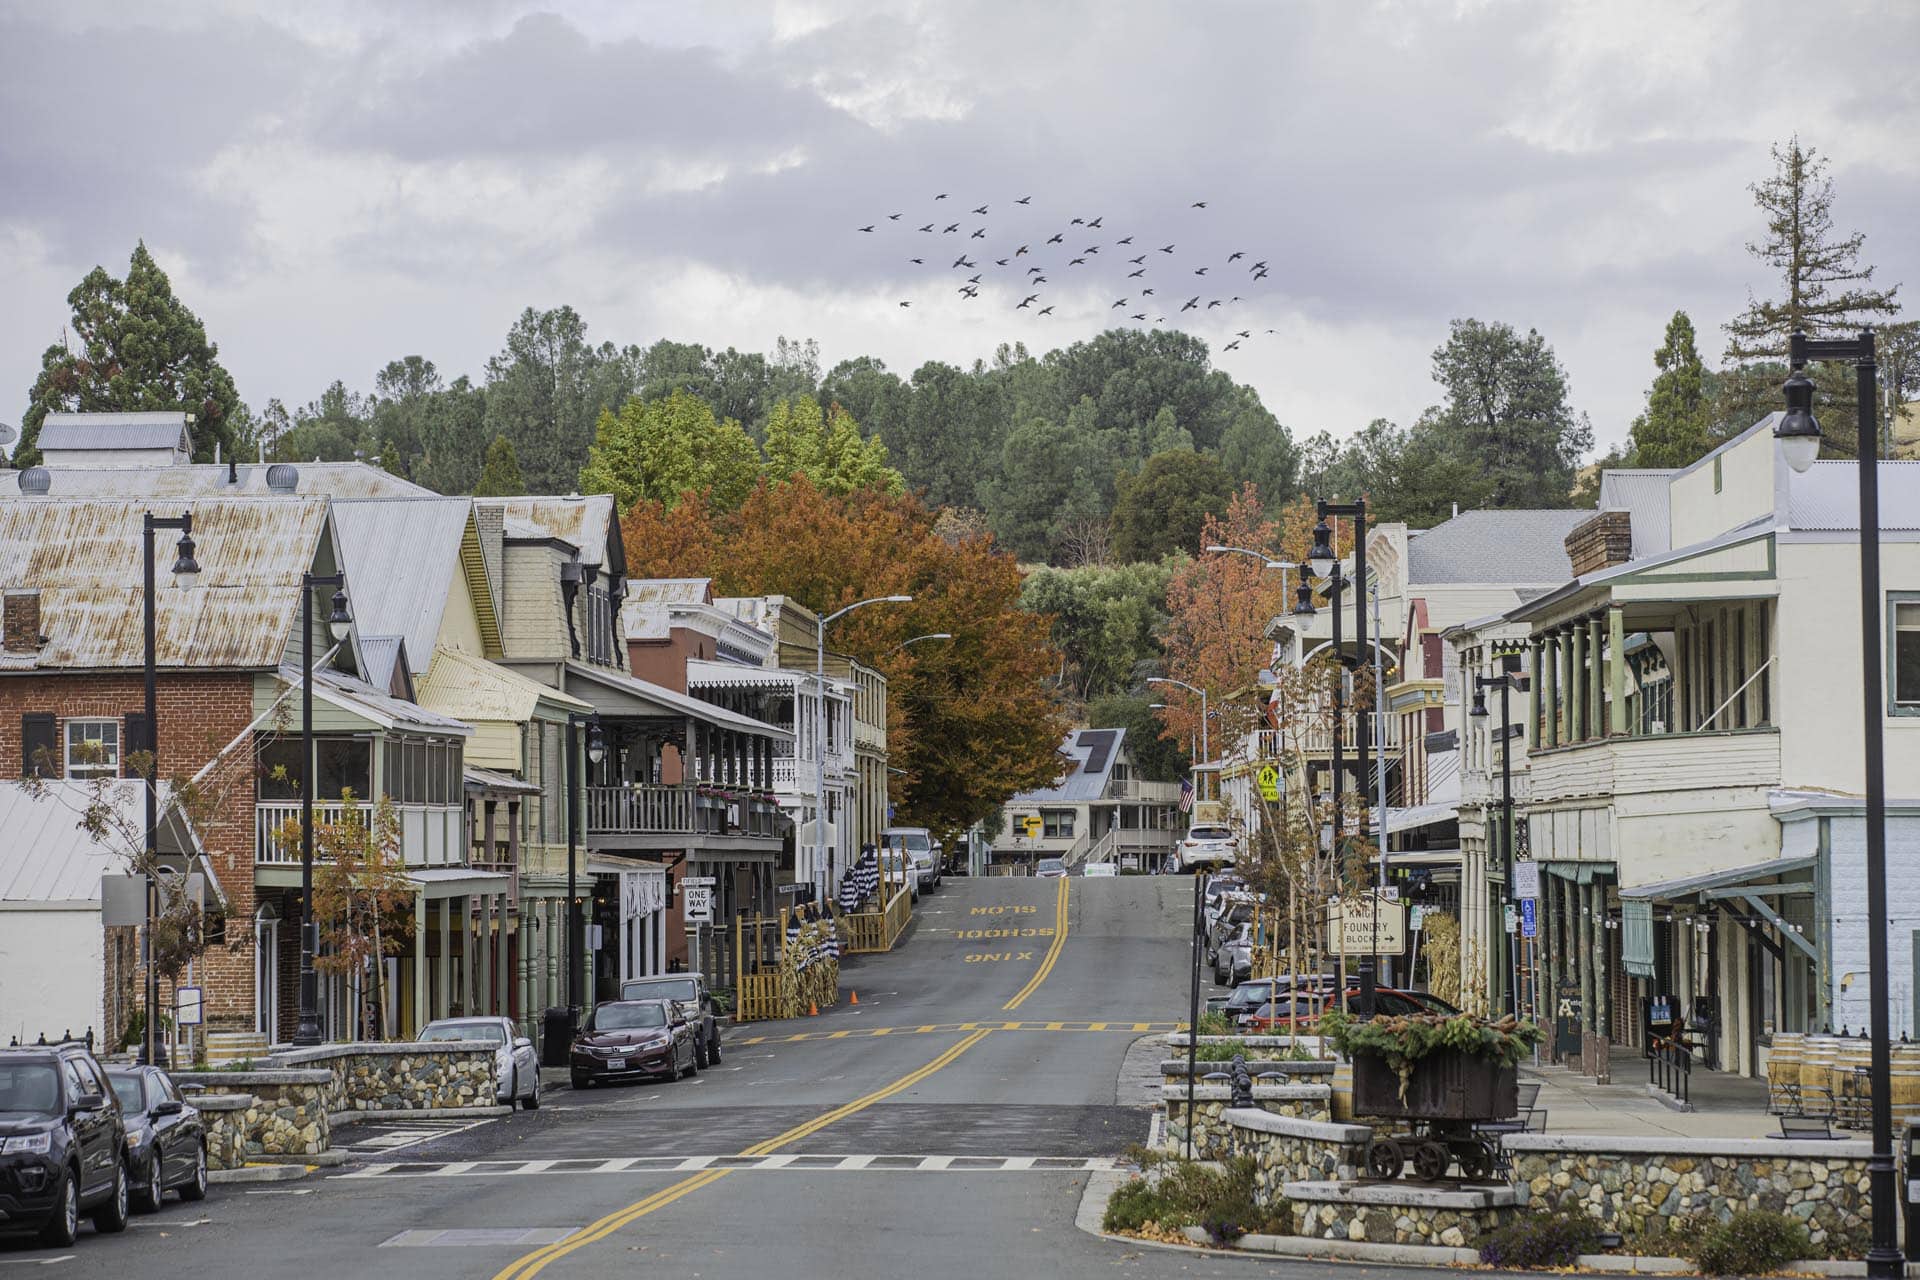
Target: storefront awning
[
  {"x": 1731, "y": 878},
  {"x": 434, "y": 883}
]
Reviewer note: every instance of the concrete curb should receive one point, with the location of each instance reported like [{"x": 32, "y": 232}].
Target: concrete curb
[
  {"x": 1411, "y": 1255},
  {"x": 419, "y": 1113},
  {"x": 258, "y": 1173},
  {"x": 317, "y": 1159}
]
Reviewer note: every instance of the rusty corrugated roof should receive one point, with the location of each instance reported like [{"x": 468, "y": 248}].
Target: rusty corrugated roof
[
  {"x": 588, "y": 522},
  {"x": 84, "y": 558}
]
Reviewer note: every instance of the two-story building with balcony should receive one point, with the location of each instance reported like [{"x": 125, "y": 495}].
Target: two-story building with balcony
[
  {"x": 1696, "y": 770},
  {"x": 1099, "y": 810}
]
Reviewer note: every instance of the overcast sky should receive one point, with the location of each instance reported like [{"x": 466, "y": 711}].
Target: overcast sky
[{"x": 332, "y": 186}]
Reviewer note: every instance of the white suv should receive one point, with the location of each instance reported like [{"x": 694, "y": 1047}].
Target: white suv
[
  {"x": 919, "y": 847},
  {"x": 1209, "y": 845}
]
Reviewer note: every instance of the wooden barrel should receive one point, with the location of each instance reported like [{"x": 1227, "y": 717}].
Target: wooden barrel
[
  {"x": 1783, "y": 1059},
  {"x": 1905, "y": 1081},
  {"x": 1340, "y": 1104},
  {"x": 1816, "y": 1068}
]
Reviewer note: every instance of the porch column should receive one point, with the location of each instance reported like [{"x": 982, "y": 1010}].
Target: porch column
[
  {"x": 550, "y": 951},
  {"x": 420, "y": 1016},
  {"x": 485, "y": 1004},
  {"x": 1584, "y": 895},
  {"x": 1548, "y": 952},
  {"x": 442, "y": 966},
  {"x": 502, "y": 952},
  {"x": 1617, "y": 670},
  {"x": 1550, "y": 726},
  {"x": 487, "y": 808},
  {"x": 1597, "y": 677},
  {"x": 468, "y": 1004},
  {"x": 1577, "y": 685},
  {"x": 1535, "y": 700}
]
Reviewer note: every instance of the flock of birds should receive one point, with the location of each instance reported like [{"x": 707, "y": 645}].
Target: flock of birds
[{"x": 1026, "y": 263}]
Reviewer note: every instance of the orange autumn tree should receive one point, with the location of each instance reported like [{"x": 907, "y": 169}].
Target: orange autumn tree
[{"x": 971, "y": 720}]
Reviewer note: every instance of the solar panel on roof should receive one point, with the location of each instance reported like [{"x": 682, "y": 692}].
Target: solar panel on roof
[{"x": 1099, "y": 745}]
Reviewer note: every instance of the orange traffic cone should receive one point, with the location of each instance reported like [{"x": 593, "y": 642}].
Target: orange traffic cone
[
  {"x": 854, "y": 998},
  {"x": 813, "y": 1010}
]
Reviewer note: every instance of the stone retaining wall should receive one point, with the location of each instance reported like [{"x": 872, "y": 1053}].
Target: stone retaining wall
[
  {"x": 1389, "y": 1213},
  {"x": 1174, "y": 1070},
  {"x": 1630, "y": 1183},
  {"x": 1211, "y": 1101},
  {"x": 402, "y": 1077},
  {"x": 286, "y": 1113},
  {"x": 224, "y": 1115},
  {"x": 1288, "y": 1149}
]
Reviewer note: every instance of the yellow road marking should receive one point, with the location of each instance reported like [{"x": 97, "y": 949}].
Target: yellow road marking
[
  {"x": 1053, "y": 951},
  {"x": 840, "y": 1035},
  {"x": 861, "y": 1104},
  {"x": 534, "y": 1263}
]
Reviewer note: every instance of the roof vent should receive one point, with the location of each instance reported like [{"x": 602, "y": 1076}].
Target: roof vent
[
  {"x": 283, "y": 477},
  {"x": 36, "y": 480}
]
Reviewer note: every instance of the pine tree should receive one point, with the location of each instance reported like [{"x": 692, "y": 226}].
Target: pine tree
[
  {"x": 1674, "y": 430},
  {"x": 1825, "y": 292},
  {"x": 500, "y": 478},
  {"x": 140, "y": 348}
]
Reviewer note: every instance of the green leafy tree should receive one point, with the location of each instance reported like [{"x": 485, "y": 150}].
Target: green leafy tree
[
  {"x": 453, "y": 438},
  {"x": 139, "y": 348},
  {"x": 827, "y": 448},
  {"x": 1676, "y": 427},
  {"x": 500, "y": 477},
  {"x": 547, "y": 389},
  {"x": 950, "y": 432},
  {"x": 334, "y": 428},
  {"x": 1051, "y": 475},
  {"x": 1156, "y": 758},
  {"x": 1255, "y": 449},
  {"x": 1506, "y": 414},
  {"x": 1824, "y": 291},
  {"x": 661, "y": 450},
  {"x": 1106, "y": 621},
  {"x": 1160, "y": 508},
  {"x": 403, "y": 392}
]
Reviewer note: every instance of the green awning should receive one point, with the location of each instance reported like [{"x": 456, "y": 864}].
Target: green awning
[{"x": 1636, "y": 937}]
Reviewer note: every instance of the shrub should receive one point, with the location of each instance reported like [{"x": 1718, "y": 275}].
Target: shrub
[
  {"x": 1214, "y": 1023},
  {"x": 1541, "y": 1240},
  {"x": 1133, "y": 1206},
  {"x": 1675, "y": 1237},
  {"x": 1221, "y": 1051},
  {"x": 1187, "y": 1194},
  {"x": 1752, "y": 1242}
]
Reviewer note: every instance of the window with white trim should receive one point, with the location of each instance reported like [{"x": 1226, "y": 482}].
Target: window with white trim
[
  {"x": 93, "y": 748},
  {"x": 1906, "y": 656}
]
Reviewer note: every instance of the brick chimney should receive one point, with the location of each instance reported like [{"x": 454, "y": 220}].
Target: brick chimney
[
  {"x": 1601, "y": 542},
  {"x": 21, "y": 610}
]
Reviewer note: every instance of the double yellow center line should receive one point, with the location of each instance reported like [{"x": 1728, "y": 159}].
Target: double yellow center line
[{"x": 532, "y": 1264}]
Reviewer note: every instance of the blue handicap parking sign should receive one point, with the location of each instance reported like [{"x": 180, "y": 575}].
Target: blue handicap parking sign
[{"x": 1529, "y": 918}]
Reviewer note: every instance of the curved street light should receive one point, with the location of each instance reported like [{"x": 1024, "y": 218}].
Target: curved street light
[
  {"x": 820, "y": 625},
  {"x": 931, "y": 635}
]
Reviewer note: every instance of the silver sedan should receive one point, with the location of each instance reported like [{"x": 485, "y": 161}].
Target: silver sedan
[{"x": 517, "y": 1066}]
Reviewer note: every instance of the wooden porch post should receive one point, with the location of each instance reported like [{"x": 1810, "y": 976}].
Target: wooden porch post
[
  {"x": 412, "y": 1027},
  {"x": 1577, "y": 686},
  {"x": 502, "y": 992},
  {"x": 468, "y": 1003},
  {"x": 1617, "y": 670},
  {"x": 1596, "y": 677},
  {"x": 443, "y": 965}
]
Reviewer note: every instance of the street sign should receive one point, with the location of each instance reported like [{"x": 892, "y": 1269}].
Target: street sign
[
  {"x": 1269, "y": 779},
  {"x": 1529, "y": 918},
  {"x": 1512, "y": 918},
  {"x": 709, "y": 881},
  {"x": 1034, "y": 826},
  {"x": 698, "y": 902},
  {"x": 1416, "y": 917},
  {"x": 1526, "y": 879},
  {"x": 1354, "y": 928},
  {"x": 188, "y": 1007}
]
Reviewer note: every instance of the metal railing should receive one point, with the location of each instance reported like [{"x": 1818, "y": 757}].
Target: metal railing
[
  {"x": 1670, "y": 1067},
  {"x": 650, "y": 809},
  {"x": 270, "y": 817}
]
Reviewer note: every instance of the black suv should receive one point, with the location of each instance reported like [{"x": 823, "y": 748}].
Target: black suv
[{"x": 62, "y": 1144}]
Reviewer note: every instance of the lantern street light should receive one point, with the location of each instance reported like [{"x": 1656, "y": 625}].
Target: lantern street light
[
  {"x": 339, "y": 626},
  {"x": 821, "y": 871},
  {"x": 186, "y": 574}
]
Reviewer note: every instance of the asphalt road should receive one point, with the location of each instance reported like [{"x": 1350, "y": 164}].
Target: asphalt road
[{"x": 944, "y": 1126}]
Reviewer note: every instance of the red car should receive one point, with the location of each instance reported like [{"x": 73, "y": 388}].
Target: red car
[{"x": 625, "y": 1038}]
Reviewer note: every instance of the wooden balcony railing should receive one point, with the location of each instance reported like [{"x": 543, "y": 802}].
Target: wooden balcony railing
[{"x": 679, "y": 810}]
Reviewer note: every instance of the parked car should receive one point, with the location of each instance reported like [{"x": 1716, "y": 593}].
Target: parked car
[
  {"x": 1233, "y": 960},
  {"x": 166, "y": 1139},
  {"x": 633, "y": 1038},
  {"x": 1099, "y": 869},
  {"x": 1232, "y": 912},
  {"x": 62, "y": 1144},
  {"x": 1208, "y": 845},
  {"x": 1386, "y": 1000},
  {"x": 1050, "y": 869},
  {"x": 922, "y": 854},
  {"x": 689, "y": 992},
  {"x": 898, "y": 867},
  {"x": 516, "y": 1065}
]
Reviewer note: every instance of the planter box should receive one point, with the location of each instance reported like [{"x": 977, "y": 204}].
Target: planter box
[{"x": 1448, "y": 1085}]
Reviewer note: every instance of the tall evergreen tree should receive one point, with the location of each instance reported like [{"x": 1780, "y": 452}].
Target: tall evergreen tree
[
  {"x": 548, "y": 388},
  {"x": 1506, "y": 413},
  {"x": 1825, "y": 291},
  {"x": 662, "y": 450},
  {"x": 500, "y": 478},
  {"x": 140, "y": 348},
  {"x": 1676, "y": 427}
]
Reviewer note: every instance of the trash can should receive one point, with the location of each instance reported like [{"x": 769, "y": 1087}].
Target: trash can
[{"x": 556, "y": 1036}]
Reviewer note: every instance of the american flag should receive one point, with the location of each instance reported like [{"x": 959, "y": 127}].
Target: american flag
[{"x": 1186, "y": 795}]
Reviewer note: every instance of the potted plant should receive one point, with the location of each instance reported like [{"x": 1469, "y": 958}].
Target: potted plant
[{"x": 1430, "y": 1066}]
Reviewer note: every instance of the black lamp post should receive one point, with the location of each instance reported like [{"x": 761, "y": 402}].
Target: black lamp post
[
  {"x": 576, "y": 933},
  {"x": 1323, "y": 557},
  {"x": 1799, "y": 437},
  {"x": 186, "y": 570},
  {"x": 339, "y": 624},
  {"x": 1506, "y": 682}
]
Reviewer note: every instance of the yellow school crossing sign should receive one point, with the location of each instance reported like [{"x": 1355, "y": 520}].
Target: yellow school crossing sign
[{"x": 1269, "y": 779}]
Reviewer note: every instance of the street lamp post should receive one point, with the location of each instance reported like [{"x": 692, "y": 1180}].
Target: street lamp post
[
  {"x": 931, "y": 635},
  {"x": 821, "y": 871},
  {"x": 576, "y": 933},
  {"x": 1266, "y": 561},
  {"x": 1799, "y": 436},
  {"x": 1504, "y": 682},
  {"x": 185, "y": 571},
  {"x": 339, "y": 623},
  {"x": 1323, "y": 555},
  {"x": 1205, "y": 746}
]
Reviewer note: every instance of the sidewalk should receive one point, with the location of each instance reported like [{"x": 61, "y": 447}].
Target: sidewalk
[{"x": 1726, "y": 1106}]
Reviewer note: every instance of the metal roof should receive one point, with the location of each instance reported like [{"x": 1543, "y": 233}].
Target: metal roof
[
  {"x": 402, "y": 556},
  {"x": 672, "y": 590},
  {"x": 587, "y": 522},
  {"x": 380, "y": 655},
  {"x": 1827, "y": 497},
  {"x": 84, "y": 558},
  {"x": 709, "y": 673},
  {"x": 473, "y": 688},
  {"x": 495, "y": 780},
  {"x": 1081, "y": 784},
  {"x": 669, "y": 702},
  {"x": 1686, "y": 886},
  {"x": 209, "y": 480},
  {"x": 49, "y": 857},
  {"x": 165, "y": 429},
  {"x": 1522, "y": 546},
  {"x": 356, "y": 696},
  {"x": 1642, "y": 494}
]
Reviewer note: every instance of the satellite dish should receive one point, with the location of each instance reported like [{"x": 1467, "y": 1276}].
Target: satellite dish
[{"x": 8, "y": 434}]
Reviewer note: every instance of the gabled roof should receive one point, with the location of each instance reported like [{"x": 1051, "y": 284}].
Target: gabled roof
[
  {"x": 472, "y": 688},
  {"x": 210, "y": 480},
  {"x": 402, "y": 556},
  {"x": 1642, "y": 494},
  {"x": 634, "y": 696},
  {"x": 590, "y": 523},
  {"x": 84, "y": 558},
  {"x": 1090, "y": 755},
  {"x": 375, "y": 706},
  {"x": 49, "y": 857},
  {"x": 165, "y": 429},
  {"x": 1504, "y": 547},
  {"x": 671, "y": 590}
]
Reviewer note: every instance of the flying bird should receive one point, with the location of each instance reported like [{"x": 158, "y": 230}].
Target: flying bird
[
  {"x": 1234, "y": 298},
  {"x": 1191, "y": 303},
  {"x": 1199, "y": 271},
  {"x": 1033, "y": 271},
  {"x": 1235, "y": 255},
  {"x": 1259, "y": 266},
  {"x": 893, "y": 217},
  {"x": 981, "y": 234},
  {"x": 1117, "y": 305},
  {"x": 1038, "y": 280},
  {"x": 941, "y": 196},
  {"x": 973, "y": 279},
  {"x": 1078, "y": 222},
  {"x": 868, "y": 227},
  {"x": 1001, "y": 262},
  {"x": 968, "y": 291},
  {"x": 928, "y": 227},
  {"x": 1243, "y": 334},
  {"x": 1020, "y": 252},
  {"x": 1076, "y": 262},
  {"x": 1128, "y": 240},
  {"x": 1199, "y": 204},
  {"x": 960, "y": 261},
  {"x": 1137, "y": 261},
  {"x": 1096, "y": 221},
  {"x": 1231, "y": 345},
  {"x": 982, "y": 211},
  {"x": 1213, "y": 304},
  {"x": 1131, "y": 275},
  {"x": 1046, "y": 311},
  {"x": 1023, "y": 199},
  {"x": 1166, "y": 248},
  {"x": 1146, "y": 293},
  {"x": 1054, "y": 240},
  {"x": 918, "y": 262},
  {"x": 906, "y": 304},
  {"x": 1027, "y": 301},
  {"x": 1141, "y": 316},
  {"x": 949, "y": 229},
  {"x": 1260, "y": 274}
]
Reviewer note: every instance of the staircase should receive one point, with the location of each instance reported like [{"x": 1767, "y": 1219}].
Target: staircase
[{"x": 226, "y": 1047}]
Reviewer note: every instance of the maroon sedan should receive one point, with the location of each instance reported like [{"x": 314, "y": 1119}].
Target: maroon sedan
[{"x": 625, "y": 1038}]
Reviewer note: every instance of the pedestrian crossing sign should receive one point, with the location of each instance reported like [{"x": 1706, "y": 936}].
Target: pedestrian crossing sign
[{"x": 1269, "y": 779}]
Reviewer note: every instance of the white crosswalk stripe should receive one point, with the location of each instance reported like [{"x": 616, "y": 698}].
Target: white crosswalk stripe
[{"x": 785, "y": 1163}]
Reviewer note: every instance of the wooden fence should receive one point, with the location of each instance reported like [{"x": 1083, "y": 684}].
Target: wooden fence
[{"x": 870, "y": 931}]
